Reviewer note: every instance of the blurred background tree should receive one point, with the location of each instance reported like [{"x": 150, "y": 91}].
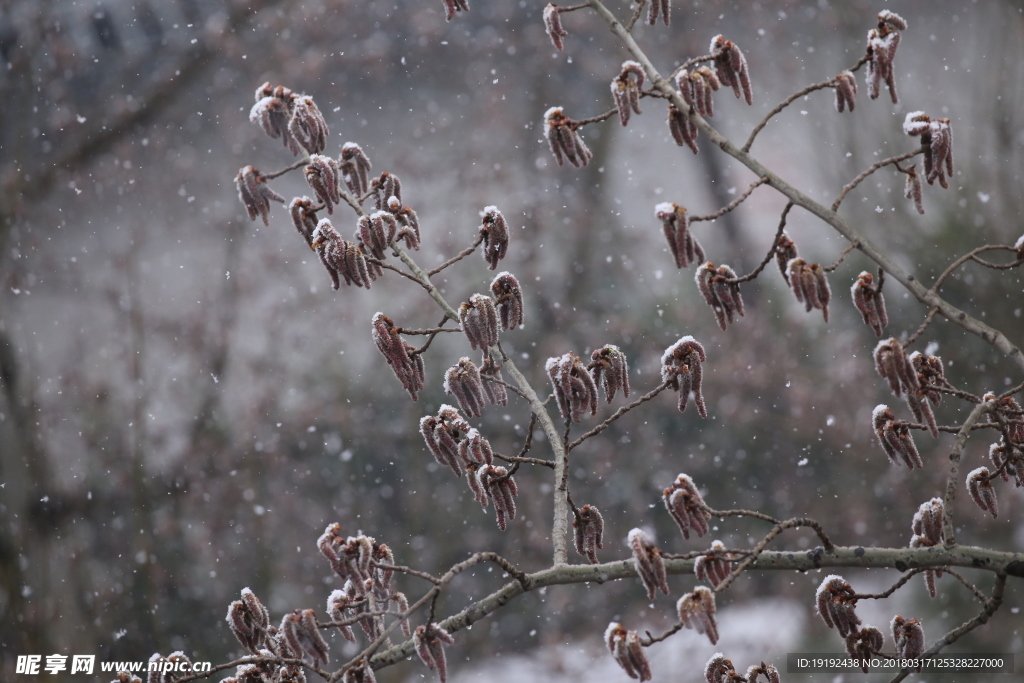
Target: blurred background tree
[{"x": 185, "y": 403}]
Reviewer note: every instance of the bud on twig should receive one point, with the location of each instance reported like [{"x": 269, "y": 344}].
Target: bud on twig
[
  {"x": 442, "y": 435},
  {"x": 574, "y": 387},
  {"x": 680, "y": 367},
  {"x": 355, "y": 168},
  {"x": 894, "y": 436},
  {"x": 609, "y": 368},
  {"x": 588, "y": 531},
  {"x": 697, "y": 611},
  {"x": 553, "y": 25},
  {"x": 713, "y": 567},
  {"x": 339, "y": 608},
  {"x": 307, "y": 125},
  {"x": 892, "y": 364},
  {"x": 809, "y": 285},
  {"x": 845, "y": 86},
  {"x": 255, "y": 194},
  {"x": 835, "y": 603},
  {"x": 628, "y": 651},
  {"x": 908, "y": 636},
  {"x": 495, "y": 232},
  {"x": 479, "y": 321},
  {"x": 697, "y": 87},
  {"x": 983, "y": 493},
  {"x": 626, "y": 90},
  {"x": 648, "y": 561},
  {"x": 867, "y": 297},
  {"x": 502, "y": 489},
  {"x": 684, "y": 246},
  {"x": 273, "y": 110},
  {"x": 755, "y": 671},
  {"x": 731, "y": 67},
  {"x": 430, "y": 640},
  {"x": 684, "y": 502},
  {"x": 937, "y": 140},
  {"x": 384, "y": 188},
  {"x": 304, "y": 217},
  {"x": 376, "y": 231},
  {"x": 720, "y": 670},
  {"x": 563, "y": 139},
  {"x": 410, "y": 222},
  {"x": 396, "y": 351},
  {"x": 720, "y": 291}
]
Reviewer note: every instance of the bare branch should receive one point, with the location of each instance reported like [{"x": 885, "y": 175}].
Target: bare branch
[
  {"x": 615, "y": 416},
  {"x": 771, "y": 252},
  {"x": 871, "y": 169},
  {"x": 733, "y": 204},
  {"x": 953, "y": 479}
]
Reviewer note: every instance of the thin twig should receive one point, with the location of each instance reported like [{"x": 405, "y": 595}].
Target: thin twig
[
  {"x": 972, "y": 256},
  {"x": 594, "y": 119},
  {"x": 953, "y": 479},
  {"x": 970, "y": 586},
  {"x": 731, "y": 205},
  {"x": 430, "y": 339},
  {"x": 768, "y": 538},
  {"x": 782, "y": 105},
  {"x": 771, "y": 252},
  {"x": 495, "y": 380},
  {"x": 871, "y": 169},
  {"x": 431, "y": 331},
  {"x": 920, "y": 330},
  {"x": 892, "y": 589},
  {"x": 277, "y": 174},
  {"x": 458, "y": 257},
  {"x": 410, "y": 276},
  {"x": 835, "y": 264},
  {"x": 356, "y": 619},
  {"x": 651, "y": 640},
  {"x": 952, "y": 429},
  {"x": 407, "y": 570},
  {"x": 692, "y": 61},
  {"x": 1011, "y": 392},
  {"x": 615, "y": 416},
  {"x": 636, "y": 15}
]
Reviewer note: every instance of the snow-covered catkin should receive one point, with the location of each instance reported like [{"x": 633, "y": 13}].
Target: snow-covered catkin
[
  {"x": 383, "y": 188},
  {"x": 756, "y": 671},
  {"x": 697, "y": 611},
  {"x": 835, "y": 603},
  {"x": 502, "y": 490},
  {"x": 249, "y": 621},
  {"x": 731, "y": 67},
  {"x": 508, "y": 298},
  {"x": 409, "y": 222},
  {"x": 785, "y": 251},
  {"x": 564, "y": 141},
  {"x": 912, "y": 188},
  {"x": 375, "y": 232},
  {"x": 609, "y": 368},
  {"x": 864, "y": 644},
  {"x": 339, "y": 608},
  {"x": 895, "y": 438},
  {"x": 342, "y": 259},
  {"x": 479, "y": 321},
  {"x": 255, "y": 194},
  {"x": 718, "y": 669},
  {"x": 713, "y": 567},
  {"x": 462, "y": 381},
  {"x": 304, "y": 217},
  {"x": 908, "y": 636},
  {"x": 809, "y": 285},
  {"x": 681, "y": 368},
  {"x": 574, "y": 387},
  {"x": 443, "y": 435},
  {"x": 307, "y": 125},
  {"x": 867, "y": 297},
  {"x": 626, "y": 90},
  {"x": 686, "y": 506},
  {"x": 494, "y": 229},
  {"x": 360, "y": 672},
  {"x": 588, "y": 531},
  {"x": 937, "y": 140},
  {"x": 494, "y": 390},
  {"x": 553, "y": 25},
  {"x": 627, "y": 650},
  {"x": 892, "y": 365},
  {"x": 273, "y": 111},
  {"x": 474, "y": 448},
  {"x": 430, "y": 640},
  {"x": 650, "y": 566},
  {"x": 927, "y": 533},
  {"x": 845, "y": 86},
  {"x": 981, "y": 490},
  {"x": 303, "y": 635},
  {"x": 676, "y": 226},
  {"x": 322, "y": 176},
  {"x": 721, "y": 292},
  {"x": 882, "y": 44},
  {"x": 355, "y": 168},
  {"x": 397, "y": 352}
]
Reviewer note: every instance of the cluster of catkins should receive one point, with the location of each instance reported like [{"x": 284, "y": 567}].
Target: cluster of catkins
[
  {"x": 628, "y": 651},
  {"x": 882, "y": 44},
  {"x": 1007, "y": 455},
  {"x": 296, "y": 638},
  {"x": 681, "y": 241},
  {"x": 916, "y": 377},
  {"x": 721, "y": 292},
  {"x": 575, "y": 385},
  {"x": 405, "y": 363},
  {"x": 564, "y": 140},
  {"x": 836, "y": 602},
  {"x": 937, "y": 140},
  {"x": 721, "y": 670},
  {"x": 293, "y": 118},
  {"x": 430, "y": 640},
  {"x": 460, "y": 447},
  {"x": 626, "y": 90},
  {"x": 588, "y": 531},
  {"x": 647, "y": 558},
  {"x": 715, "y": 566},
  {"x": 681, "y": 368}
]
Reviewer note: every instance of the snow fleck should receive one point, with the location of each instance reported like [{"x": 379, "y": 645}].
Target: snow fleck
[
  {"x": 802, "y": 462},
  {"x": 878, "y": 209},
  {"x": 830, "y": 420},
  {"x": 984, "y": 197}
]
